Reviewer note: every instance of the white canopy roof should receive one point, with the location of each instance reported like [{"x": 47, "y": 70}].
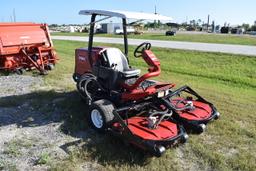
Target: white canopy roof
[{"x": 126, "y": 14}]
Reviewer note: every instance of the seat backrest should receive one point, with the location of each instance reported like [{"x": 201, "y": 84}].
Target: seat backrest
[{"x": 116, "y": 57}]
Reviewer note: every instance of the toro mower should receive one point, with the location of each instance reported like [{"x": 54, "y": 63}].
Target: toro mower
[
  {"x": 146, "y": 113},
  {"x": 24, "y": 46}
]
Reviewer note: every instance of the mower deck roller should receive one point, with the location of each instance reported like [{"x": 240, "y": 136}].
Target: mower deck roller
[{"x": 24, "y": 46}]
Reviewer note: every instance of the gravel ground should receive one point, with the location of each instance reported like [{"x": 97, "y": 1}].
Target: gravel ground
[
  {"x": 30, "y": 138},
  {"x": 18, "y": 84}
]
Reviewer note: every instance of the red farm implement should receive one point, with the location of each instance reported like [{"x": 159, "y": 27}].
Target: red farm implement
[{"x": 26, "y": 46}]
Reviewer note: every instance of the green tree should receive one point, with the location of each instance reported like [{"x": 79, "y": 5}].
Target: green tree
[
  {"x": 246, "y": 26},
  {"x": 253, "y": 28}
]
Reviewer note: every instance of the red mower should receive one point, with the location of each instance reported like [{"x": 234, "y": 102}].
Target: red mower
[{"x": 142, "y": 112}]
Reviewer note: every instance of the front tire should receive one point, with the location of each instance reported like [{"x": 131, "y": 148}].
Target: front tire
[{"x": 101, "y": 115}]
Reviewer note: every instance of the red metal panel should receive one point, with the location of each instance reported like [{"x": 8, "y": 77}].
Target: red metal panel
[
  {"x": 82, "y": 61},
  {"x": 165, "y": 130},
  {"x": 23, "y": 34},
  {"x": 20, "y": 41},
  {"x": 201, "y": 111}
]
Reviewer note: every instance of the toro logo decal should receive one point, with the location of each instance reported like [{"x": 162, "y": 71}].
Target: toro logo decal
[{"x": 81, "y": 58}]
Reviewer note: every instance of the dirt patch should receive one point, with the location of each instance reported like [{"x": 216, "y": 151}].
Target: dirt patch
[
  {"x": 229, "y": 152},
  {"x": 186, "y": 160},
  {"x": 31, "y": 138}
]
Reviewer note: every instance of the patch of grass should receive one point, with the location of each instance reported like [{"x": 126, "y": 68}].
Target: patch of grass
[
  {"x": 204, "y": 38},
  {"x": 228, "y": 81},
  {"x": 226, "y": 68},
  {"x": 1, "y": 164},
  {"x": 7, "y": 166},
  {"x": 44, "y": 158},
  {"x": 14, "y": 147}
]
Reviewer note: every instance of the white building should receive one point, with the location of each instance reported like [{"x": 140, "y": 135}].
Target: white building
[{"x": 115, "y": 28}]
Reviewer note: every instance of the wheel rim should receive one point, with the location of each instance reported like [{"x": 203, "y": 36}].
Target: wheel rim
[{"x": 97, "y": 119}]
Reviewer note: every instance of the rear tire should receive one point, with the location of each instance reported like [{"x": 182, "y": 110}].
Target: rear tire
[{"x": 101, "y": 115}]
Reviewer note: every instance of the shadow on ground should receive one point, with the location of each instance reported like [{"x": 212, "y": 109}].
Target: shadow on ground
[{"x": 45, "y": 107}]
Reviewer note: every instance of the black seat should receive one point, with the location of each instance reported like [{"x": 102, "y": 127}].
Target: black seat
[{"x": 118, "y": 62}]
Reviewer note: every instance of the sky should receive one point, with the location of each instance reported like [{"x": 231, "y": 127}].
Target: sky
[{"x": 66, "y": 11}]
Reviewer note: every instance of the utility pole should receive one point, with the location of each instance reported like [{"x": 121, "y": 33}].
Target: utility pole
[
  {"x": 14, "y": 15},
  {"x": 213, "y": 26},
  {"x": 11, "y": 18},
  {"x": 155, "y": 20},
  {"x": 208, "y": 22}
]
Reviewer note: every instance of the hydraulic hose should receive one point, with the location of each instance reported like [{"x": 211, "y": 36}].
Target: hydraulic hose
[
  {"x": 188, "y": 106},
  {"x": 163, "y": 114},
  {"x": 175, "y": 107},
  {"x": 83, "y": 88}
]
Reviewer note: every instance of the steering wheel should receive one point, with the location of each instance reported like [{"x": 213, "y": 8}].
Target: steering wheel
[{"x": 143, "y": 46}]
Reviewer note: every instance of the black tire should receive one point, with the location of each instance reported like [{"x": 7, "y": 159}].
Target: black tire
[
  {"x": 217, "y": 116},
  {"x": 105, "y": 109},
  {"x": 50, "y": 67},
  {"x": 184, "y": 138},
  {"x": 20, "y": 71},
  {"x": 200, "y": 128},
  {"x": 159, "y": 151},
  {"x": 43, "y": 72}
]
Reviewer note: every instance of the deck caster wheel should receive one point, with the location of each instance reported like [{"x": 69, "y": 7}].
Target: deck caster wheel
[
  {"x": 159, "y": 151},
  {"x": 50, "y": 67},
  {"x": 44, "y": 72},
  {"x": 201, "y": 128},
  {"x": 101, "y": 115},
  {"x": 20, "y": 71},
  {"x": 217, "y": 116},
  {"x": 184, "y": 138}
]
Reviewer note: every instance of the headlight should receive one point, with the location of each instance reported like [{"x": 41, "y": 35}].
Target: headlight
[
  {"x": 161, "y": 94},
  {"x": 166, "y": 92}
]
